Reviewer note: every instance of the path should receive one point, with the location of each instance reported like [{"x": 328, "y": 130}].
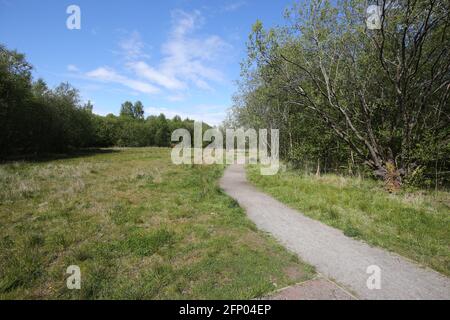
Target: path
[{"x": 335, "y": 256}]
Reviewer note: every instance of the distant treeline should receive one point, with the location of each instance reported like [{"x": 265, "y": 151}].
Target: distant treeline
[{"x": 37, "y": 119}]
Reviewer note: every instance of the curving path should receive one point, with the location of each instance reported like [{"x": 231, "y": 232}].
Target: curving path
[{"x": 335, "y": 256}]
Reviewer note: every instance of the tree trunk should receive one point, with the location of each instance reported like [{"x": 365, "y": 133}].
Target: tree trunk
[
  {"x": 318, "y": 168},
  {"x": 391, "y": 175}
]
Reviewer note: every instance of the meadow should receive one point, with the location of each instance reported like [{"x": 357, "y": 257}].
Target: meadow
[
  {"x": 412, "y": 223},
  {"x": 138, "y": 227}
]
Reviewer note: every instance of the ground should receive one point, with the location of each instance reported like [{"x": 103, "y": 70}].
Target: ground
[
  {"x": 138, "y": 227},
  {"x": 414, "y": 224},
  {"x": 355, "y": 268}
]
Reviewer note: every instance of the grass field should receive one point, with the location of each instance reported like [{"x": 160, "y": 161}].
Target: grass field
[
  {"x": 138, "y": 227},
  {"x": 415, "y": 225}
]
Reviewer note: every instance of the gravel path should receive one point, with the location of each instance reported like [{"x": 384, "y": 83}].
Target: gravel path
[{"x": 334, "y": 255}]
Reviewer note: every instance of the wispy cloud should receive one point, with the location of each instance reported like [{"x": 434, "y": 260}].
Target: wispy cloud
[
  {"x": 72, "y": 68},
  {"x": 234, "y": 6},
  {"x": 143, "y": 70},
  {"x": 132, "y": 47},
  {"x": 186, "y": 59},
  {"x": 106, "y": 74}
]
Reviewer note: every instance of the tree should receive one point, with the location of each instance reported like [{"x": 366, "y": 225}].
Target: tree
[
  {"x": 134, "y": 111},
  {"x": 138, "y": 110},
  {"x": 89, "y": 107},
  {"x": 36, "y": 119},
  {"x": 379, "y": 92},
  {"x": 15, "y": 89},
  {"x": 162, "y": 134},
  {"x": 127, "y": 109}
]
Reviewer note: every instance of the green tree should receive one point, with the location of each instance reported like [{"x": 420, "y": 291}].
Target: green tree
[
  {"x": 89, "y": 107},
  {"x": 138, "y": 110},
  {"x": 15, "y": 92},
  {"x": 127, "y": 109},
  {"x": 378, "y": 92},
  {"x": 35, "y": 118},
  {"x": 134, "y": 111},
  {"x": 162, "y": 134}
]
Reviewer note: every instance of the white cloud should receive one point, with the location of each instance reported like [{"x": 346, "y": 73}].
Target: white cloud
[
  {"x": 186, "y": 59},
  {"x": 72, "y": 68},
  {"x": 109, "y": 75},
  {"x": 132, "y": 47},
  {"x": 143, "y": 70},
  {"x": 184, "y": 22},
  {"x": 234, "y": 6},
  {"x": 191, "y": 58}
]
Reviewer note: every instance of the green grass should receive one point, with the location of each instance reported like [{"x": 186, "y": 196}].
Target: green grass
[
  {"x": 413, "y": 224},
  {"x": 138, "y": 227}
]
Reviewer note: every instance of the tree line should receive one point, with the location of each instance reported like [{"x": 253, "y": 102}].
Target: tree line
[
  {"x": 37, "y": 119},
  {"x": 345, "y": 97}
]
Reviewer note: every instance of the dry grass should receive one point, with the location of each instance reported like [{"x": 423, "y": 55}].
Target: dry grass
[{"x": 139, "y": 228}]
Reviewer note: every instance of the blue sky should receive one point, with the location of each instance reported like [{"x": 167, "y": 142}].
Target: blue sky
[{"x": 177, "y": 57}]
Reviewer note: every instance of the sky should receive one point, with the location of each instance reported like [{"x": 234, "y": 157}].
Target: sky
[{"x": 179, "y": 57}]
